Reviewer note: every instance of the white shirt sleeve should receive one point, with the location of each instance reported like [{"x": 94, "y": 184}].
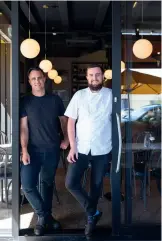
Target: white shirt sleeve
[
  {"x": 72, "y": 109},
  {"x": 111, "y": 99}
]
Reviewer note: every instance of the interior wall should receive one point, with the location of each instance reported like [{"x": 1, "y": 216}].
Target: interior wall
[
  {"x": 65, "y": 64},
  {"x": 98, "y": 56}
]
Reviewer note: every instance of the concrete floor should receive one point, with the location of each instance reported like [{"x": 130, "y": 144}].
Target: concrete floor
[{"x": 71, "y": 215}]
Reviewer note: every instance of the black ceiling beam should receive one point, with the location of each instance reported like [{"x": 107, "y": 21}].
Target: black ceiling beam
[
  {"x": 137, "y": 11},
  {"x": 102, "y": 10},
  {"x": 35, "y": 20},
  {"x": 63, "y": 8},
  {"x": 72, "y": 32},
  {"x": 34, "y": 12},
  {"x": 25, "y": 8},
  {"x": 24, "y": 23},
  {"x": 5, "y": 9}
]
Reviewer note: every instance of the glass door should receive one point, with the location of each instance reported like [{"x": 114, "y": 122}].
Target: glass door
[{"x": 141, "y": 122}]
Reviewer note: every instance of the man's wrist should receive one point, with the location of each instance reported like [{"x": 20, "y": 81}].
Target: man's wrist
[
  {"x": 24, "y": 149},
  {"x": 66, "y": 138},
  {"x": 73, "y": 145}
]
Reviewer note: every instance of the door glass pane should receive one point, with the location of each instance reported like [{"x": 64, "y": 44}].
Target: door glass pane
[
  {"x": 141, "y": 107},
  {"x": 5, "y": 129}
]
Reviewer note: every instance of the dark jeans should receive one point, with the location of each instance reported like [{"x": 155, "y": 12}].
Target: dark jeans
[
  {"x": 75, "y": 174},
  {"x": 46, "y": 163}
]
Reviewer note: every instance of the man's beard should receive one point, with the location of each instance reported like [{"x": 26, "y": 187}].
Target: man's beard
[{"x": 95, "y": 88}]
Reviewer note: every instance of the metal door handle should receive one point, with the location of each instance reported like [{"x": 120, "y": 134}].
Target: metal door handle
[{"x": 120, "y": 143}]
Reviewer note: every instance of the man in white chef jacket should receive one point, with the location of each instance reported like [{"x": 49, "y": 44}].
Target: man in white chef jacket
[{"x": 89, "y": 131}]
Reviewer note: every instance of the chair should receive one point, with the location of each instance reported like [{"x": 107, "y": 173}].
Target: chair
[
  {"x": 85, "y": 176},
  {"x": 107, "y": 174},
  {"x": 155, "y": 162},
  {"x": 3, "y": 137},
  {"x": 5, "y": 174},
  {"x": 63, "y": 159},
  {"x": 141, "y": 168}
]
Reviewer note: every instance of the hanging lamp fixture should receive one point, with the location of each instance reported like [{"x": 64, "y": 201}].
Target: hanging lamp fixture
[
  {"x": 122, "y": 66},
  {"x": 108, "y": 72},
  {"x": 58, "y": 79},
  {"x": 45, "y": 64},
  {"x": 52, "y": 74},
  {"x": 142, "y": 48},
  {"x": 29, "y": 48}
]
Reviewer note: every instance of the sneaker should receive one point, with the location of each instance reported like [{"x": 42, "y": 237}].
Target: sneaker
[
  {"x": 52, "y": 223},
  {"x": 91, "y": 224},
  {"x": 40, "y": 226}
]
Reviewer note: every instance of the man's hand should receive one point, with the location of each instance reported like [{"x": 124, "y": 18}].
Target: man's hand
[
  {"x": 64, "y": 144},
  {"x": 25, "y": 158},
  {"x": 73, "y": 155}
]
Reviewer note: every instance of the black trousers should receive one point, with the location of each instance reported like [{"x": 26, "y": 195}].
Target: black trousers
[
  {"x": 46, "y": 163},
  {"x": 74, "y": 176}
]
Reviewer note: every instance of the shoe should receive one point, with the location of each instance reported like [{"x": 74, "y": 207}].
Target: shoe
[
  {"x": 52, "y": 223},
  {"x": 40, "y": 226},
  {"x": 91, "y": 224}
]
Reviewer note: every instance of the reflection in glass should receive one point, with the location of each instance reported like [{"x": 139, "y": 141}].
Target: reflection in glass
[{"x": 5, "y": 136}]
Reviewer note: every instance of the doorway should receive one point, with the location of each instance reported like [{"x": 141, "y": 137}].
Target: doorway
[{"x": 116, "y": 162}]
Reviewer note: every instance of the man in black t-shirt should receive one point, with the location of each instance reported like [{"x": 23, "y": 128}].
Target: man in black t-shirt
[{"x": 41, "y": 143}]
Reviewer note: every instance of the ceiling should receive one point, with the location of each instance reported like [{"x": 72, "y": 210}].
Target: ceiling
[{"x": 77, "y": 27}]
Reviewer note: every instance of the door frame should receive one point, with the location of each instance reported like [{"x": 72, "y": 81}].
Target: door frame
[
  {"x": 115, "y": 177},
  {"x": 116, "y": 104}
]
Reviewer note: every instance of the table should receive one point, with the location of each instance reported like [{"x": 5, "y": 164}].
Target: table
[
  {"x": 132, "y": 148},
  {"x": 140, "y": 146},
  {"x": 7, "y": 147}
]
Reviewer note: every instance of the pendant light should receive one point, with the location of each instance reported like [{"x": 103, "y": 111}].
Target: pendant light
[
  {"x": 108, "y": 74},
  {"x": 29, "y": 48},
  {"x": 122, "y": 66},
  {"x": 58, "y": 79},
  {"x": 142, "y": 48},
  {"x": 45, "y": 64},
  {"x": 52, "y": 74}
]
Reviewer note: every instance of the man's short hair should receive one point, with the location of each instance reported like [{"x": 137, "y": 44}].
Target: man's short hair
[
  {"x": 90, "y": 66},
  {"x": 36, "y": 69}
]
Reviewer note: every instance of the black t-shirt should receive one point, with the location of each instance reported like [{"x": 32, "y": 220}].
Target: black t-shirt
[{"x": 43, "y": 122}]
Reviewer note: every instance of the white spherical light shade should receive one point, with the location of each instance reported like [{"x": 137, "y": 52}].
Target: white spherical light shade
[
  {"x": 30, "y": 48},
  {"x": 57, "y": 79},
  {"x": 45, "y": 65},
  {"x": 142, "y": 48},
  {"x": 52, "y": 74},
  {"x": 122, "y": 66},
  {"x": 108, "y": 74}
]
